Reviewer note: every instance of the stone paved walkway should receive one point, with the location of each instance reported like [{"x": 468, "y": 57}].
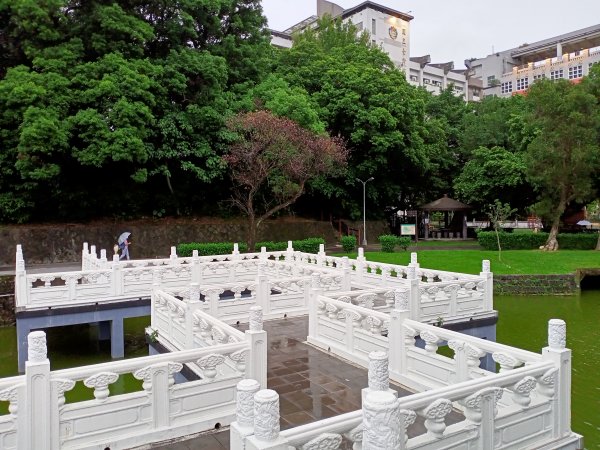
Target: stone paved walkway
[{"x": 311, "y": 384}]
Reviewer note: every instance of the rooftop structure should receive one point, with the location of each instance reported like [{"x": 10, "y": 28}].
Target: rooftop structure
[
  {"x": 511, "y": 71},
  {"x": 389, "y": 29},
  {"x": 382, "y": 317}
]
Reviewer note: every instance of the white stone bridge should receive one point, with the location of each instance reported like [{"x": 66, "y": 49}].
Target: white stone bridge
[{"x": 379, "y": 316}]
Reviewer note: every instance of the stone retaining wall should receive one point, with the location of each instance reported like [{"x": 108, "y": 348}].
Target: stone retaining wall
[
  {"x": 535, "y": 284},
  {"x": 7, "y": 300},
  {"x": 44, "y": 244}
]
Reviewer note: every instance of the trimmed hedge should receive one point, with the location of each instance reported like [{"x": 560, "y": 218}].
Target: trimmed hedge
[
  {"x": 310, "y": 245},
  {"x": 389, "y": 242},
  {"x": 530, "y": 241},
  {"x": 348, "y": 243}
]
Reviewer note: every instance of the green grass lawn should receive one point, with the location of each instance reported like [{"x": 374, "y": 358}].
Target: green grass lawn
[
  {"x": 472, "y": 243},
  {"x": 513, "y": 261}
]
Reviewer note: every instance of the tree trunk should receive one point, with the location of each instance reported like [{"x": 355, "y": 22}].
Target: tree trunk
[
  {"x": 252, "y": 231},
  {"x": 552, "y": 244},
  {"x": 598, "y": 243}
]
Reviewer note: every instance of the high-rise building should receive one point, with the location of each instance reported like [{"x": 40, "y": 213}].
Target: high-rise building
[
  {"x": 512, "y": 71},
  {"x": 390, "y": 29}
]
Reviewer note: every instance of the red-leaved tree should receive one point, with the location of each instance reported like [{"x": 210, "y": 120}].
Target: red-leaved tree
[{"x": 270, "y": 162}]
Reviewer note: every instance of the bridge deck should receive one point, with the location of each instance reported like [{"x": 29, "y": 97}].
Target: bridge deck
[{"x": 311, "y": 384}]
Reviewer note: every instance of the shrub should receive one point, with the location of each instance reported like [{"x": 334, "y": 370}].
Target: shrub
[
  {"x": 529, "y": 241},
  {"x": 271, "y": 246},
  {"x": 388, "y": 242},
  {"x": 310, "y": 245},
  {"x": 403, "y": 242},
  {"x": 348, "y": 243},
  {"x": 577, "y": 241},
  {"x": 208, "y": 248}
]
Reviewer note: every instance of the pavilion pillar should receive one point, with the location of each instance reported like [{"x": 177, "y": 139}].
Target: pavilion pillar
[{"x": 426, "y": 221}]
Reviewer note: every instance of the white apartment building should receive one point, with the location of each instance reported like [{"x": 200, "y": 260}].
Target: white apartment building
[
  {"x": 512, "y": 71},
  {"x": 390, "y": 29}
]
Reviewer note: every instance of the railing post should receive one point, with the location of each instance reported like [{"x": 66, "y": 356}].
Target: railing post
[
  {"x": 243, "y": 425},
  {"x": 196, "y": 268},
  {"x": 21, "y": 286},
  {"x": 235, "y": 254},
  {"x": 381, "y": 420},
  {"x": 396, "y": 338},
  {"x": 191, "y": 306},
  {"x": 38, "y": 394},
  {"x": 117, "y": 277},
  {"x": 263, "y": 289},
  {"x": 289, "y": 252},
  {"x": 266, "y": 423},
  {"x": 414, "y": 261},
  {"x": 153, "y": 300},
  {"x": 103, "y": 259},
  {"x": 347, "y": 274},
  {"x": 173, "y": 255},
  {"x": 257, "y": 338},
  {"x": 84, "y": 256},
  {"x": 561, "y": 357},
  {"x": 488, "y": 293},
  {"x": 321, "y": 255},
  {"x": 360, "y": 265},
  {"x": 414, "y": 294},
  {"x": 313, "y": 317},
  {"x": 263, "y": 254},
  {"x": 93, "y": 255},
  {"x": 379, "y": 374}
]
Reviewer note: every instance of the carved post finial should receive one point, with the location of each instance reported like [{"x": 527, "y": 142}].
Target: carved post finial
[
  {"x": 379, "y": 376},
  {"x": 412, "y": 273},
  {"x": 381, "y": 421},
  {"x": 290, "y": 246},
  {"x": 266, "y": 415},
  {"x": 315, "y": 280},
  {"x": 36, "y": 347},
  {"x": 256, "y": 318},
  {"x": 173, "y": 253},
  {"x": 485, "y": 266},
  {"x": 413, "y": 258},
  {"x": 361, "y": 252},
  {"x": 236, "y": 248},
  {"x": 246, "y": 389},
  {"x": 557, "y": 334}
]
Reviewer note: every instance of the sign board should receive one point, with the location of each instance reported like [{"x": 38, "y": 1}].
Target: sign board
[{"x": 408, "y": 230}]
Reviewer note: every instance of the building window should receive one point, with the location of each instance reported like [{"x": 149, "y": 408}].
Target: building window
[
  {"x": 476, "y": 92},
  {"x": 414, "y": 78},
  {"x": 556, "y": 74},
  {"x": 373, "y": 27},
  {"x": 458, "y": 88},
  {"x": 491, "y": 81},
  {"x": 436, "y": 83},
  {"x": 540, "y": 76},
  {"x": 507, "y": 87},
  {"x": 426, "y": 81},
  {"x": 522, "y": 83},
  {"x": 575, "y": 72}
]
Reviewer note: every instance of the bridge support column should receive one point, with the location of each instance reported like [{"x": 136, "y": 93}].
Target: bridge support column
[
  {"x": 104, "y": 330},
  {"x": 23, "y": 330},
  {"x": 117, "y": 339}
]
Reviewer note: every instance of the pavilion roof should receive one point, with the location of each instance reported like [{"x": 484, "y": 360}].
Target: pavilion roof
[{"x": 445, "y": 204}]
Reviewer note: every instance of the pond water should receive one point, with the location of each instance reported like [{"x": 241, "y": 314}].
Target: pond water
[{"x": 522, "y": 323}]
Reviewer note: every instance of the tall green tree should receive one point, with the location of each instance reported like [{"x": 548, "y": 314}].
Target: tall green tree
[
  {"x": 362, "y": 97},
  {"x": 119, "y": 107},
  {"x": 564, "y": 158}
]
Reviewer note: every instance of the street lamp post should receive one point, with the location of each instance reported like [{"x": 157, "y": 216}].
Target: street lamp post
[{"x": 364, "y": 183}]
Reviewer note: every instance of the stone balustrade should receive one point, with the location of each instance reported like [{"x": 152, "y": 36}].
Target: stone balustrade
[
  {"x": 525, "y": 407},
  {"x": 167, "y": 406}
]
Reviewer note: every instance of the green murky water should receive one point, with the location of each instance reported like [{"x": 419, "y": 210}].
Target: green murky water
[{"x": 523, "y": 323}]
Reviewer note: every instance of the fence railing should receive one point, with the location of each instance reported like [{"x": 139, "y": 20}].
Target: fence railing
[
  {"x": 524, "y": 407},
  {"x": 164, "y": 408}
]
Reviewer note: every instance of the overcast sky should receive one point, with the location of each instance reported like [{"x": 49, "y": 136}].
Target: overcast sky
[{"x": 455, "y": 30}]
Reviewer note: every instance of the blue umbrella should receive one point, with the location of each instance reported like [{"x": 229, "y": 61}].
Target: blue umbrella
[{"x": 123, "y": 237}]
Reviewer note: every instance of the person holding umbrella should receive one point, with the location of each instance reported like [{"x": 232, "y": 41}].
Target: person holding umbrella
[{"x": 124, "y": 243}]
